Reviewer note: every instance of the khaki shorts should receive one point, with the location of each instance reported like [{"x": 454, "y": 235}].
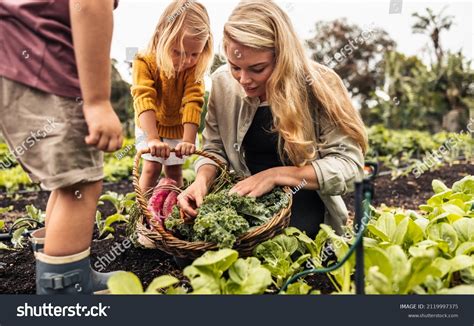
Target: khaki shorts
[{"x": 46, "y": 134}]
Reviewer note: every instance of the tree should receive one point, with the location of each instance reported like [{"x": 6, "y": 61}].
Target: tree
[
  {"x": 433, "y": 24},
  {"x": 416, "y": 96},
  {"x": 355, "y": 54},
  {"x": 454, "y": 75}
]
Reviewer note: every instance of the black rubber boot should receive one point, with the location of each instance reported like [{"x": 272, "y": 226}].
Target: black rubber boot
[{"x": 69, "y": 275}]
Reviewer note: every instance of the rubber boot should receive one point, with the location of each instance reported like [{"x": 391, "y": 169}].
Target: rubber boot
[
  {"x": 37, "y": 239},
  {"x": 69, "y": 275},
  {"x": 37, "y": 243}
]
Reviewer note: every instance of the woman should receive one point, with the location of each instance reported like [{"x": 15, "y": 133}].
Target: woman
[{"x": 280, "y": 120}]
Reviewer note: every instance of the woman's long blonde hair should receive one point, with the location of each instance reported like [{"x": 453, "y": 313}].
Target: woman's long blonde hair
[
  {"x": 179, "y": 17},
  {"x": 294, "y": 85}
]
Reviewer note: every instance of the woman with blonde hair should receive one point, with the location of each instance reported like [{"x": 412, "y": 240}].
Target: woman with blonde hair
[
  {"x": 168, "y": 89},
  {"x": 280, "y": 120}
]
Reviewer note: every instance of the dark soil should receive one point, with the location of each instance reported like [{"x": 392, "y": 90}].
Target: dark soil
[
  {"x": 17, "y": 267},
  {"x": 409, "y": 192}
]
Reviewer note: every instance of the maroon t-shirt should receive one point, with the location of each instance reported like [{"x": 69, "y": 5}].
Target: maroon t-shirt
[{"x": 36, "y": 46}]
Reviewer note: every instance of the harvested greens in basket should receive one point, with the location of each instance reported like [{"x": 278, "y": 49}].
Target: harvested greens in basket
[{"x": 222, "y": 218}]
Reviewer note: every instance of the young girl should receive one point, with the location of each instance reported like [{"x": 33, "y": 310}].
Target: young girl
[{"x": 168, "y": 89}]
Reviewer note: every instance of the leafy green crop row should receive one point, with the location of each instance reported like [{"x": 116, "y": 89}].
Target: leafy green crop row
[
  {"x": 400, "y": 148},
  {"x": 430, "y": 251}
]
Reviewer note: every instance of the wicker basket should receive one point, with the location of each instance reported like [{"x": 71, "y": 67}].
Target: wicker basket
[{"x": 152, "y": 234}]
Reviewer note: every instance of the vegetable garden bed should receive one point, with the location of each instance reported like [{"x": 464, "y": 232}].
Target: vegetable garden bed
[{"x": 17, "y": 266}]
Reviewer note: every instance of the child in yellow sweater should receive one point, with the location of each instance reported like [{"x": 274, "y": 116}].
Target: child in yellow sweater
[{"x": 168, "y": 89}]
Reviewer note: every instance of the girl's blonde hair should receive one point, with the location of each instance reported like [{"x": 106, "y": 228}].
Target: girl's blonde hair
[
  {"x": 180, "y": 18},
  {"x": 295, "y": 87}
]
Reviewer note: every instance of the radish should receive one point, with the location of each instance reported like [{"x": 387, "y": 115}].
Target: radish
[
  {"x": 170, "y": 202},
  {"x": 157, "y": 200}
]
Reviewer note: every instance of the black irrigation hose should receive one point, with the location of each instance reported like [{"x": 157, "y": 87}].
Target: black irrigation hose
[
  {"x": 9, "y": 234},
  {"x": 363, "y": 189},
  {"x": 360, "y": 234}
]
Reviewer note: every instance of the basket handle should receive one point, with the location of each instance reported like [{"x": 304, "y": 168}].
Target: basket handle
[{"x": 142, "y": 202}]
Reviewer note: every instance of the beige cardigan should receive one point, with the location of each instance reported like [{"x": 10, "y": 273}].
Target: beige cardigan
[{"x": 229, "y": 115}]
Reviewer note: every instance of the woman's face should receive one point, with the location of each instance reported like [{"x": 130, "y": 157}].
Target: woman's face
[{"x": 251, "y": 68}]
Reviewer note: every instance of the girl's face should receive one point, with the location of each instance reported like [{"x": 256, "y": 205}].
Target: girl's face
[
  {"x": 187, "y": 57},
  {"x": 251, "y": 68}
]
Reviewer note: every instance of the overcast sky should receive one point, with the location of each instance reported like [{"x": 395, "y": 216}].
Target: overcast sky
[{"x": 135, "y": 21}]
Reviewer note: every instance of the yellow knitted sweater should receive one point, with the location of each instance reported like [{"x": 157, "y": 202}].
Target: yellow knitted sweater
[{"x": 175, "y": 101}]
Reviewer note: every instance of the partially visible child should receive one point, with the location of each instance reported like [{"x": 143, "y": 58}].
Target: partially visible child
[
  {"x": 168, "y": 89},
  {"x": 58, "y": 92}
]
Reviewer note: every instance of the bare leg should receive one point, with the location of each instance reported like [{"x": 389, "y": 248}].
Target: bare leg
[
  {"x": 50, "y": 206},
  {"x": 150, "y": 173},
  {"x": 175, "y": 172},
  {"x": 71, "y": 220}
]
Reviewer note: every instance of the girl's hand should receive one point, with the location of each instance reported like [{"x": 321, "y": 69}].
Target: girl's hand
[
  {"x": 190, "y": 199},
  {"x": 256, "y": 185},
  {"x": 159, "y": 148},
  {"x": 184, "y": 148}
]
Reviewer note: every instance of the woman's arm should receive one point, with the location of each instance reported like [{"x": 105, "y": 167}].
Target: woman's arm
[
  {"x": 211, "y": 136},
  {"x": 263, "y": 182},
  {"x": 341, "y": 159}
]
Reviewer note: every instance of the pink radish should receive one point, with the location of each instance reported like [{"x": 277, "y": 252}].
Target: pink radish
[
  {"x": 170, "y": 202},
  {"x": 157, "y": 200}
]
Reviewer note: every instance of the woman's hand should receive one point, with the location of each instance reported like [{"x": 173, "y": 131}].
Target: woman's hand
[
  {"x": 159, "y": 148},
  {"x": 184, "y": 148},
  {"x": 256, "y": 185},
  {"x": 190, "y": 199}
]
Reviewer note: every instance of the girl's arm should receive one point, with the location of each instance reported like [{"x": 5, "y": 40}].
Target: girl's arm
[
  {"x": 187, "y": 146},
  {"x": 190, "y": 132},
  {"x": 148, "y": 125},
  {"x": 145, "y": 97}
]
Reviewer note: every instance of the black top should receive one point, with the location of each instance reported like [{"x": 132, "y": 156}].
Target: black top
[{"x": 260, "y": 146}]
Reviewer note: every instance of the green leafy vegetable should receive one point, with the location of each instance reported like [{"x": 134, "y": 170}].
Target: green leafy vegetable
[{"x": 222, "y": 218}]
